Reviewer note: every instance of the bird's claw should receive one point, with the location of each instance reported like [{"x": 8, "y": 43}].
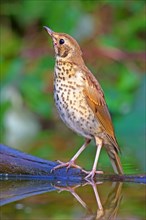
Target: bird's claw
[
  {"x": 67, "y": 165},
  {"x": 91, "y": 174}
]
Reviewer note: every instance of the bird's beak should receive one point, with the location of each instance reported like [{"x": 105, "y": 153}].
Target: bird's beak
[{"x": 50, "y": 32}]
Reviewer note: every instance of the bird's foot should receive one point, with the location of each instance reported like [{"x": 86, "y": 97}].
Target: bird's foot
[
  {"x": 69, "y": 164},
  {"x": 67, "y": 188},
  {"x": 92, "y": 173}
]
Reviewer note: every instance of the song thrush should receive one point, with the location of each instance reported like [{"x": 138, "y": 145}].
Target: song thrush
[{"x": 80, "y": 102}]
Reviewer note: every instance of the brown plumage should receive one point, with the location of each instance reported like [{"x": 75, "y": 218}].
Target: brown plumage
[{"x": 80, "y": 101}]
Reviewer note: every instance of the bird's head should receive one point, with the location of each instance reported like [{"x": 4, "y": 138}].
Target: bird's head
[{"x": 65, "y": 46}]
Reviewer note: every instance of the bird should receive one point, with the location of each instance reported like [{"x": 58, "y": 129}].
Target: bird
[{"x": 81, "y": 104}]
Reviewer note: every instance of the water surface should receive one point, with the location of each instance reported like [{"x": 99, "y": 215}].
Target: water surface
[{"x": 43, "y": 199}]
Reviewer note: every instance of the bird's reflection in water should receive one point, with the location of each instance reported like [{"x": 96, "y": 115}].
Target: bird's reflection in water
[
  {"x": 14, "y": 190},
  {"x": 105, "y": 211}
]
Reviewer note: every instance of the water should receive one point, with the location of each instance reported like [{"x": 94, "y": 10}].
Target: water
[{"x": 47, "y": 200}]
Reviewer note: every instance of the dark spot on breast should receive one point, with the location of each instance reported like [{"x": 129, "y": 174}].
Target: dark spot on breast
[
  {"x": 55, "y": 73},
  {"x": 81, "y": 112},
  {"x": 58, "y": 68},
  {"x": 83, "y": 107},
  {"x": 72, "y": 87},
  {"x": 57, "y": 97}
]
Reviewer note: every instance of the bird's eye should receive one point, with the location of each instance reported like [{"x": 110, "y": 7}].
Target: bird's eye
[{"x": 61, "y": 41}]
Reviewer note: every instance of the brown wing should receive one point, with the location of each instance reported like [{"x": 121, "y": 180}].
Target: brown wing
[{"x": 95, "y": 99}]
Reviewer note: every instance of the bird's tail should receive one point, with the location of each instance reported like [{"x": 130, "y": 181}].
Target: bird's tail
[{"x": 115, "y": 160}]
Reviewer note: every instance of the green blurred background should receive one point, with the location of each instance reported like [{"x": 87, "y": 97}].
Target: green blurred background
[{"x": 112, "y": 37}]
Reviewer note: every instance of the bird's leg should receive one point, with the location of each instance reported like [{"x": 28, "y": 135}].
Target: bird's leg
[
  {"x": 92, "y": 173},
  {"x": 71, "y": 163}
]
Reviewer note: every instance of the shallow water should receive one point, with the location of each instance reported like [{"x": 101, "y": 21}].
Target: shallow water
[{"x": 42, "y": 199}]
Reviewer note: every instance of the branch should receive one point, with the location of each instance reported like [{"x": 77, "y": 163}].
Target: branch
[{"x": 16, "y": 164}]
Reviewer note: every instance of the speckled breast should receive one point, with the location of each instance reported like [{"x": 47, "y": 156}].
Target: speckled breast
[{"x": 70, "y": 101}]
